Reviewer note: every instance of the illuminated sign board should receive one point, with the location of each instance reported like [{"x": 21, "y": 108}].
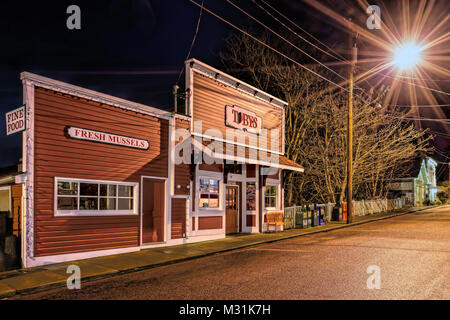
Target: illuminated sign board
[{"x": 243, "y": 119}]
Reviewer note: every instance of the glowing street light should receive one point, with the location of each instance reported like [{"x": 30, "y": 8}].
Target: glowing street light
[{"x": 407, "y": 55}]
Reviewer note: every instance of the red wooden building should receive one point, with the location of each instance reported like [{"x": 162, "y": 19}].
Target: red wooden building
[{"x": 103, "y": 175}]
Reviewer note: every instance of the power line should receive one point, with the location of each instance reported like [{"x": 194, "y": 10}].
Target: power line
[
  {"x": 300, "y": 28},
  {"x": 412, "y": 83},
  {"x": 193, "y": 41},
  {"x": 414, "y": 78},
  {"x": 304, "y": 39},
  {"x": 292, "y": 60},
  {"x": 421, "y": 119},
  {"x": 262, "y": 8},
  {"x": 443, "y": 155},
  {"x": 419, "y": 106},
  {"x": 440, "y": 171},
  {"x": 298, "y": 35},
  {"x": 287, "y": 41},
  {"x": 266, "y": 45},
  {"x": 339, "y": 57},
  {"x": 440, "y": 152},
  {"x": 440, "y": 133}
]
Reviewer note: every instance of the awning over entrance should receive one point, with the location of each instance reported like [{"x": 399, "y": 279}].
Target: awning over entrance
[
  {"x": 246, "y": 155},
  {"x": 288, "y": 164}
]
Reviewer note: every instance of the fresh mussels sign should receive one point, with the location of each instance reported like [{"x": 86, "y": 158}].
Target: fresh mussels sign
[
  {"x": 103, "y": 137},
  {"x": 243, "y": 119}
]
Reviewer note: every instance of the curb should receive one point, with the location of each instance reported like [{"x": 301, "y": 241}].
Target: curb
[{"x": 146, "y": 267}]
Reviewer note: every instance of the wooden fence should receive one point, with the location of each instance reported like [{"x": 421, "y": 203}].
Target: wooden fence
[{"x": 361, "y": 208}]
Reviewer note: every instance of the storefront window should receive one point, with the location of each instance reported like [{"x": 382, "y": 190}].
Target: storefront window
[
  {"x": 209, "y": 193},
  {"x": 270, "y": 197},
  {"x": 67, "y": 195},
  {"x": 108, "y": 194},
  {"x": 251, "y": 196},
  {"x": 67, "y": 203},
  {"x": 81, "y": 197}
]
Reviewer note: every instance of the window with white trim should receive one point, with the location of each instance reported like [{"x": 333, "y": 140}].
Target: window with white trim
[
  {"x": 270, "y": 197},
  {"x": 209, "y": 193},
  {"x": 93, "y": 197}
]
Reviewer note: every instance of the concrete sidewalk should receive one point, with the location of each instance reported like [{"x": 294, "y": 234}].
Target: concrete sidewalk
[{"x": 45, "y": 277}]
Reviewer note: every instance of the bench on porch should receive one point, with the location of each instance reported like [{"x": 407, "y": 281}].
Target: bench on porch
[{"x": 275, "y": 218}]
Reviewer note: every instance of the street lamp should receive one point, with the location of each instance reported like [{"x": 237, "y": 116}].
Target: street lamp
[{"x": 407, "y": 55}]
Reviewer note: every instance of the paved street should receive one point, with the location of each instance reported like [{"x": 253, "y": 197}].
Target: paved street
[{"x": 412, "y": 251}]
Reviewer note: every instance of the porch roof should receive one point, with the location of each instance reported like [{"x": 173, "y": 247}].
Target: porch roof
[{"x": 246, "y": 155}]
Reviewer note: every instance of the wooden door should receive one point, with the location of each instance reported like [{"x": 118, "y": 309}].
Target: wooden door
[
  {"x": 153, "y": 210},
  {"x": 16, "y": 195},
  {"x": 231, "y": 209}
]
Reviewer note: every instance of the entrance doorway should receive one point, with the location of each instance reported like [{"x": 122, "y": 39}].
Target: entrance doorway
[
  {"x": 231, "y": 209},
  {"x": 153, "y": 209}
]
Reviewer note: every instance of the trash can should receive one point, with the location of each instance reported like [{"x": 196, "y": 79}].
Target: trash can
[
  {"x": 299, "y": 217},
  {"x": 344, "y": 211},
  {"x": 313, "y": 215},
  {"x": 311, "y": 208},
  {"x": 335, "y": 213},
  {"x": 321, "y": 220},
  {"x": 338, "y": 212},
  {"x": 308, "y": 216}
]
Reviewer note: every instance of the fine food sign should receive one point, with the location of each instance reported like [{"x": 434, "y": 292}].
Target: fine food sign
[
  {"x": 103, "y": 137},
  {"x": 243, "y": 119},
  {"x": 15, "y": 120}
]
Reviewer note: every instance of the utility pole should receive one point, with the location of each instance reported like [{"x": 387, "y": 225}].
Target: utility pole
[
  {"x": 354, "y": 56},
  {"x": 175, "y": 97}
]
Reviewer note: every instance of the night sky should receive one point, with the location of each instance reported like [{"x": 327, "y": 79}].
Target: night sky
[{"x": 133, "y": 49}]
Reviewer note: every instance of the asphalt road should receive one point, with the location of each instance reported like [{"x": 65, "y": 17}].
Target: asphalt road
[{"x": 412, "y": 252}]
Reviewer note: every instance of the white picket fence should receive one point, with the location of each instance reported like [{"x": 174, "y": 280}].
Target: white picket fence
[
  {"x": 361, "y": 208},
  {"x": 289, "y": 217}
]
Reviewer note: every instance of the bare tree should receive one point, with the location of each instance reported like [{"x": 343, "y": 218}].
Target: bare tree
[{"x": 316, "y": 126}]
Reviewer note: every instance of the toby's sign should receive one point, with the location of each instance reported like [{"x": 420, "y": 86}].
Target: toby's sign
[{"x": 243, "y": 119}]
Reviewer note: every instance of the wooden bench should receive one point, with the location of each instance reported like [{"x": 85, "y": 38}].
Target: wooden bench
[{"x": 275, "y": 218}]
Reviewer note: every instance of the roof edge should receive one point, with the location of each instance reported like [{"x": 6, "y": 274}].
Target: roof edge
[
  {"x": 263, "y": 94},
  {"x": 78, "y": 91}
]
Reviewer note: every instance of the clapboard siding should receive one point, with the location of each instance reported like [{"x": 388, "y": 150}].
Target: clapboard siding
[
  {"x": 182, "y": 171},
  {"x": 178, "y": 221},
  {"x": 210, "y": 98},
  {"x": 205, "y": 223},
  {"x": 56, "y": 155},
  {"x": 215, "y": 167}
]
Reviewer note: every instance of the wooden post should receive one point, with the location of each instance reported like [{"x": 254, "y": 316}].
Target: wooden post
[{"x": 353, "y": 50}]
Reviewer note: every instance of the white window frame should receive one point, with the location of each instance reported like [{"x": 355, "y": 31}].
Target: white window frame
[
  {"x": 276, "y": 196},
  {"x": 220, "y": 193},
  {"x": 98, "y": 212},
  {"x": 245, "y": 183}
]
